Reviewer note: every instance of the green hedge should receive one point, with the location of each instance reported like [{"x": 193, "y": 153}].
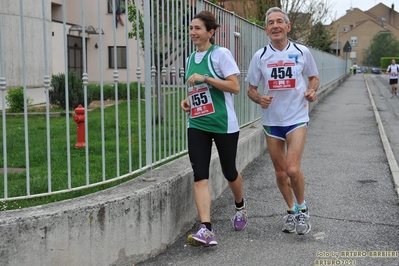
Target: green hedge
[
  {"x": 386, "y": 61},
  {"x": 76, "y": 91},
  {"x": 109, "y": 91}
]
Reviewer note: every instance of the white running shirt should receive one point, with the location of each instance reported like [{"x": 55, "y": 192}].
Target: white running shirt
[
  {"x": 393, "y": 71},
  {"x": 281, "y": 74}
]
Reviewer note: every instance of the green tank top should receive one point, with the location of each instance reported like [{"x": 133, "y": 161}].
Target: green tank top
[{"x": 211, "y": 109}]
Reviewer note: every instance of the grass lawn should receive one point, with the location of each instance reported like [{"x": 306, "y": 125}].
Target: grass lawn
[{"x": 38, "y": 165}]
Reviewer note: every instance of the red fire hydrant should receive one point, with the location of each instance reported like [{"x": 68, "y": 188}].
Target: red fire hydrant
[{"x": 80, "y": 123}]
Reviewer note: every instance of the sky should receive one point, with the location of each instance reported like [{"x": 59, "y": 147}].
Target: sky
[{"x": 340, "y": 6}]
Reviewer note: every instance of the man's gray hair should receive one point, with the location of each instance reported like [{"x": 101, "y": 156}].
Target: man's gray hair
[{"x": 277, "y": 9}]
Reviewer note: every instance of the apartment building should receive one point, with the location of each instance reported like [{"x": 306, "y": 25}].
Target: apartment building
[
  {"x": 359, "y": 27},
  {"x": 110, "y": 39},
  {"x": 23, "y": 43}
]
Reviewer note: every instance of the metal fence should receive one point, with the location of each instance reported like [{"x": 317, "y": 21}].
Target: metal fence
[{"x": 134, "y": 43}]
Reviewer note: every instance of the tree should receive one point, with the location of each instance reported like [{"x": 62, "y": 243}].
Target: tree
[
  {"x": 304, "y": 15},
  {"x": 383, "y": 44},
  {"x": 320, "y": 38},
  {"x": 253, "y": 10},
  {"x": 261, "y": 6}
]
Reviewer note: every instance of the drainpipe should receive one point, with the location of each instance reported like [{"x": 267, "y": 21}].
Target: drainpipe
[{"x": 392, "y": 11}]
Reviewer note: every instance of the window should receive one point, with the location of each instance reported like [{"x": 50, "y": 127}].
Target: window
[
  {"x": 120, "y": 56},
  {"x": 120, "y": 4},
  {"x": 353, "y": 40},
  {"x": 345, "y": 28},
  {"x": 75, "y": 55}
]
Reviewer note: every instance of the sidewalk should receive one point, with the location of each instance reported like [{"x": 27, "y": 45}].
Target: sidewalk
[{"x": 349, "y": 190}]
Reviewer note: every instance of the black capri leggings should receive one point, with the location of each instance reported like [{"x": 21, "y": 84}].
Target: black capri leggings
[{"x": 200, "y": 148}]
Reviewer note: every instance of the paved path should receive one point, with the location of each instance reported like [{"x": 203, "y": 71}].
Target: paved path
[{"x": 350, "y": 191}]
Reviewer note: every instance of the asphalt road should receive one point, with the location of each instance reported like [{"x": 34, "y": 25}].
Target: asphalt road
[{"x": 349, "y": 189}]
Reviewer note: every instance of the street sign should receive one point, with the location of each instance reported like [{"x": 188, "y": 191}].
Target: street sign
[{"x": 347, "y": 47}]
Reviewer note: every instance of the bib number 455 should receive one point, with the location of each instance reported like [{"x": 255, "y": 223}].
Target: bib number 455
[{"x": 199, "y": 99}]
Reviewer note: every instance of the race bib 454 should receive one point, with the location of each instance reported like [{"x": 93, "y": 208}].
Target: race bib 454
[{"x": 282, "y": 75}]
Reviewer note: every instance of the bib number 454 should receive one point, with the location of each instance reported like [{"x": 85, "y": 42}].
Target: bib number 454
[{"x": 281, "y": 72}]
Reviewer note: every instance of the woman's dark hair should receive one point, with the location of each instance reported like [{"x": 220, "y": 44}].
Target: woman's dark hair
[{"x": 209, "y": 21}]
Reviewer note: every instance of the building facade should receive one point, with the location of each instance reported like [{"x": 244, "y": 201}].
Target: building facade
[
  {"x": 359, "y": 27},
  {"x": 24, "y": 35}
]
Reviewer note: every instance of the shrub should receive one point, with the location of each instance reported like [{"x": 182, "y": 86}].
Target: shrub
[
  {"x": 134, "y": 87},
  {"x": 109, "y": 91},
  {"x": 75, "y": 91},
  {"x": 15, "y": 100}
]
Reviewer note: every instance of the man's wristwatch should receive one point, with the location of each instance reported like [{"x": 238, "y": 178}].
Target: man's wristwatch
[{"x": 206, "y": 76}]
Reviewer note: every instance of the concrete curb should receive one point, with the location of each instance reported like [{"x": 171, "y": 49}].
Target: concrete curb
[{"x": 393, "y": 165}]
